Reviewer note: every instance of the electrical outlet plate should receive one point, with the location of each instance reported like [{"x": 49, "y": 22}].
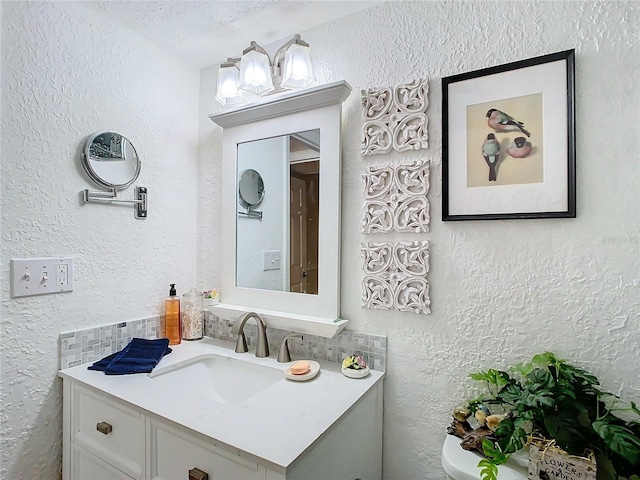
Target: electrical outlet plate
[{"x": 40, "y": 276}]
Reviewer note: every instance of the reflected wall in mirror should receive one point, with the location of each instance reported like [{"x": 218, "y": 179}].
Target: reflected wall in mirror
[{"x": 280, "y": 252}]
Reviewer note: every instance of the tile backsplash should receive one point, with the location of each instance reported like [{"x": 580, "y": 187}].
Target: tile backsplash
[
  {"x": 372, "y": 347},
  {"x": 92, "y": 344}
]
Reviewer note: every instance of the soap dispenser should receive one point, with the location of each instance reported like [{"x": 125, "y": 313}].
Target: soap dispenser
[{"x": 173, "y": 328}]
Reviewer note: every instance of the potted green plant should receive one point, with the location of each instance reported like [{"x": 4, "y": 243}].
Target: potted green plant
[{"x": 550, "y": 398}]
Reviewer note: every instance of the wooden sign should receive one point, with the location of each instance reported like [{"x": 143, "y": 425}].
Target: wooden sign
[{"x": 547, "y": 462}]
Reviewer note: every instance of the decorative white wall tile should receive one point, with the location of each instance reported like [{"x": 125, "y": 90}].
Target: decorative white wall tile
[
  {"x": 396, "y": 276},
  {"x": 395, "y": 118},
  {"x": 396, "y": 198}
]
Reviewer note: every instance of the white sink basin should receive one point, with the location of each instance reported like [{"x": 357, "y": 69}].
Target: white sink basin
[{"x": 216, "y": 377}]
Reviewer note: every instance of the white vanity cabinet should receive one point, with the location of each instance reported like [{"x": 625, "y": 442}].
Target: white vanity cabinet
[{"x": 119, "y": 428}]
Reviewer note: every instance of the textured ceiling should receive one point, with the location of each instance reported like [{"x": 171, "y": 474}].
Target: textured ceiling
[{"x": 204, "y": 33}]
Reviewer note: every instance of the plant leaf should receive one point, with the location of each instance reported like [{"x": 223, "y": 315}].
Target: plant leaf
[
  {"x": 492, "y": 452},
  {"x": 489, "y": 470},
  {"x": 511, "y": 438},
  {"x": 619, "y": 439},
  {"x": 544, "y": 359},
  {"x": 493, "y": 377},
  {"x": 523, "y": 369}
]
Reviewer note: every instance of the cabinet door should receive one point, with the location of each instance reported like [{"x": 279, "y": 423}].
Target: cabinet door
[
  {"x": 174, "y": 453},
  {"x": 108, "y": 429},
  {"x": 85, "y": 466}
]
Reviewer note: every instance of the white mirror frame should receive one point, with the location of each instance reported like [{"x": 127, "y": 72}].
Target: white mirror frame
[{"x": 315, "y": 108}]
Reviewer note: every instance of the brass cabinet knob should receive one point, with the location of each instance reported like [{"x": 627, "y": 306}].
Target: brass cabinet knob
[
  {"x": 104, "y": 427},
  {"x": 197, "y": 474}
]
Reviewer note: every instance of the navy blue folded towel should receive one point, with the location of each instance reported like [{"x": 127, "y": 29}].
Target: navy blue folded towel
[{"x": 139, "y": 356}]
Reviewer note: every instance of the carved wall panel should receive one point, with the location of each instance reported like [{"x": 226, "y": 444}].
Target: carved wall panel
[
  {"x": 395, "y": 118},
  {"x": 396, "y": 198},
  {"x": 396, "y": 276}
]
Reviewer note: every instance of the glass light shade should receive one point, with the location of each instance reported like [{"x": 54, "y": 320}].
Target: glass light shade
[
  {"x": 297, "y": 71},
  {"x": 255, "y": 73},
  {"x": 227, "y": 92}
]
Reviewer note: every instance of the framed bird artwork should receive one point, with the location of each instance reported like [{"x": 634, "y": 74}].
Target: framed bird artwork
[{"x": 508, "y": 141}]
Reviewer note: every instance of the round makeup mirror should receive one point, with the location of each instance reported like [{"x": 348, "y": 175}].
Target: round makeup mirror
[
  {"x": 250, "y": 189},
  {"x": 110, "y": 160}
]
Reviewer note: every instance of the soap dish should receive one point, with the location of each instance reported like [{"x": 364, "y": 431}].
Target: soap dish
[
  {"x": 353, "y": 373},
  {"x": 313, "y": 371}
]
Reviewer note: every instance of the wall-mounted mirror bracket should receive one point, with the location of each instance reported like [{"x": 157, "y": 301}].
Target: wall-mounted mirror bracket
[
  {"x": 252, "y": 214},
  {"x": 140, "y": 201}
]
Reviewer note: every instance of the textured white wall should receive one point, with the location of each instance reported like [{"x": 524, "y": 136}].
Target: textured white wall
[
  {"x": 501, "y": 290},
  {"x": 66, "y": 75}
]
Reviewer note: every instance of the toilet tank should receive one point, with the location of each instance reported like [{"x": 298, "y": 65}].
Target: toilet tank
[{"x": 461, "y": 464}]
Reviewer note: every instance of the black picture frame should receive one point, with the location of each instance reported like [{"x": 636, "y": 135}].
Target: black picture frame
[{"x": 499, "y": 167}]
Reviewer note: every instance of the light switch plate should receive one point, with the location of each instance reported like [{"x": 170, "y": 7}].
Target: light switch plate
[
  {"x": 40, "y": 276},
  {"x": 271, "y": 260}
]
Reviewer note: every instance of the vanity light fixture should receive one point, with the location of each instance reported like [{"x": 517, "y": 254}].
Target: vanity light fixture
[{"x": 243, "y": 79}]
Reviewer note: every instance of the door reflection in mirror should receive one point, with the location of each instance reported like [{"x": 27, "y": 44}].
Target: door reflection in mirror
[{"x": 280, "y": 252}]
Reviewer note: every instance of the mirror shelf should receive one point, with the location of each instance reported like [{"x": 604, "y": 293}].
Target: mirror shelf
[
  {"x": 314, "y": 310},
  {"x": 307, "y": 324}
]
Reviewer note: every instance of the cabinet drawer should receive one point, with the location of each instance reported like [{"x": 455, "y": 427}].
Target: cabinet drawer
[
  {"x": 86, "y": 466},
  {"x": 109, "y": 430},
  {"x": 174, "y": 453}
]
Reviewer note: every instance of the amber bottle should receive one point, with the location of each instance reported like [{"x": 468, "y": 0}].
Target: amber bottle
[{"x": 173, "y": 329}]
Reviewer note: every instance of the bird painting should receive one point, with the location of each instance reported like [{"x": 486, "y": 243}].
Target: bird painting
[
  {"x": 519, "y": 148},
  {"x": 491, "y": 154},
  {"x": 501, "y": 122}
]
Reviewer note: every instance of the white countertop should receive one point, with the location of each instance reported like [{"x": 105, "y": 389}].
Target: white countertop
[{"x": 276, "y": 425}]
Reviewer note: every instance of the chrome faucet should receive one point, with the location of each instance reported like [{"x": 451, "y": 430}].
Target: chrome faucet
[
  {"x": 283, "y": 354},
  {"x": 262, "y": 348}
]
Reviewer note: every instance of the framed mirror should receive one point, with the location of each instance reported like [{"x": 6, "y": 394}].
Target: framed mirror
[
  {"x": 298, "y": 138},
  {"x": 111, "y": 160}
]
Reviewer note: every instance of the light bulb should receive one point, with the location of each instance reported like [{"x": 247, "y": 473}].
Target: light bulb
[
  {"x": 227, "y": 92},
  {"x": 297, "y": 71},
  {"x": 255, "y": 73}
]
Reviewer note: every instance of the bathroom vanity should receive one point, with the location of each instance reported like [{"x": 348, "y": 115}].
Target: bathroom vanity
[{"x": 208, "y": 412}]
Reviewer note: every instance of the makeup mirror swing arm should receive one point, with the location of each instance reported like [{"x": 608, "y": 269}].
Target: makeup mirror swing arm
[
  {"x": 251, "y": 214},
  {"x": 111, "y": 196}
]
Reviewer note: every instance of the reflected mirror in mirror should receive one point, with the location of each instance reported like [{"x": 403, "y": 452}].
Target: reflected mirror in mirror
[
  {"x": 110, "y": 160},
  {"x": 280, "y": 250},
  {"x": 250, "y": 189}
]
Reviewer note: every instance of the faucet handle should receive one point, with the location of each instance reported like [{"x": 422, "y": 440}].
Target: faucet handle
[
  {"x": 283, "y": 354},
  {"x": 241, "y": 343}
]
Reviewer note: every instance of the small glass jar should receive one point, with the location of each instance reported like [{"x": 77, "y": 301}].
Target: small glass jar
[{"x": 192, "y": 316}]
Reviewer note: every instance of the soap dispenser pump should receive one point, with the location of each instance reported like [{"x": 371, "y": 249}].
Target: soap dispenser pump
[{"x": 173, "y": 328}]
